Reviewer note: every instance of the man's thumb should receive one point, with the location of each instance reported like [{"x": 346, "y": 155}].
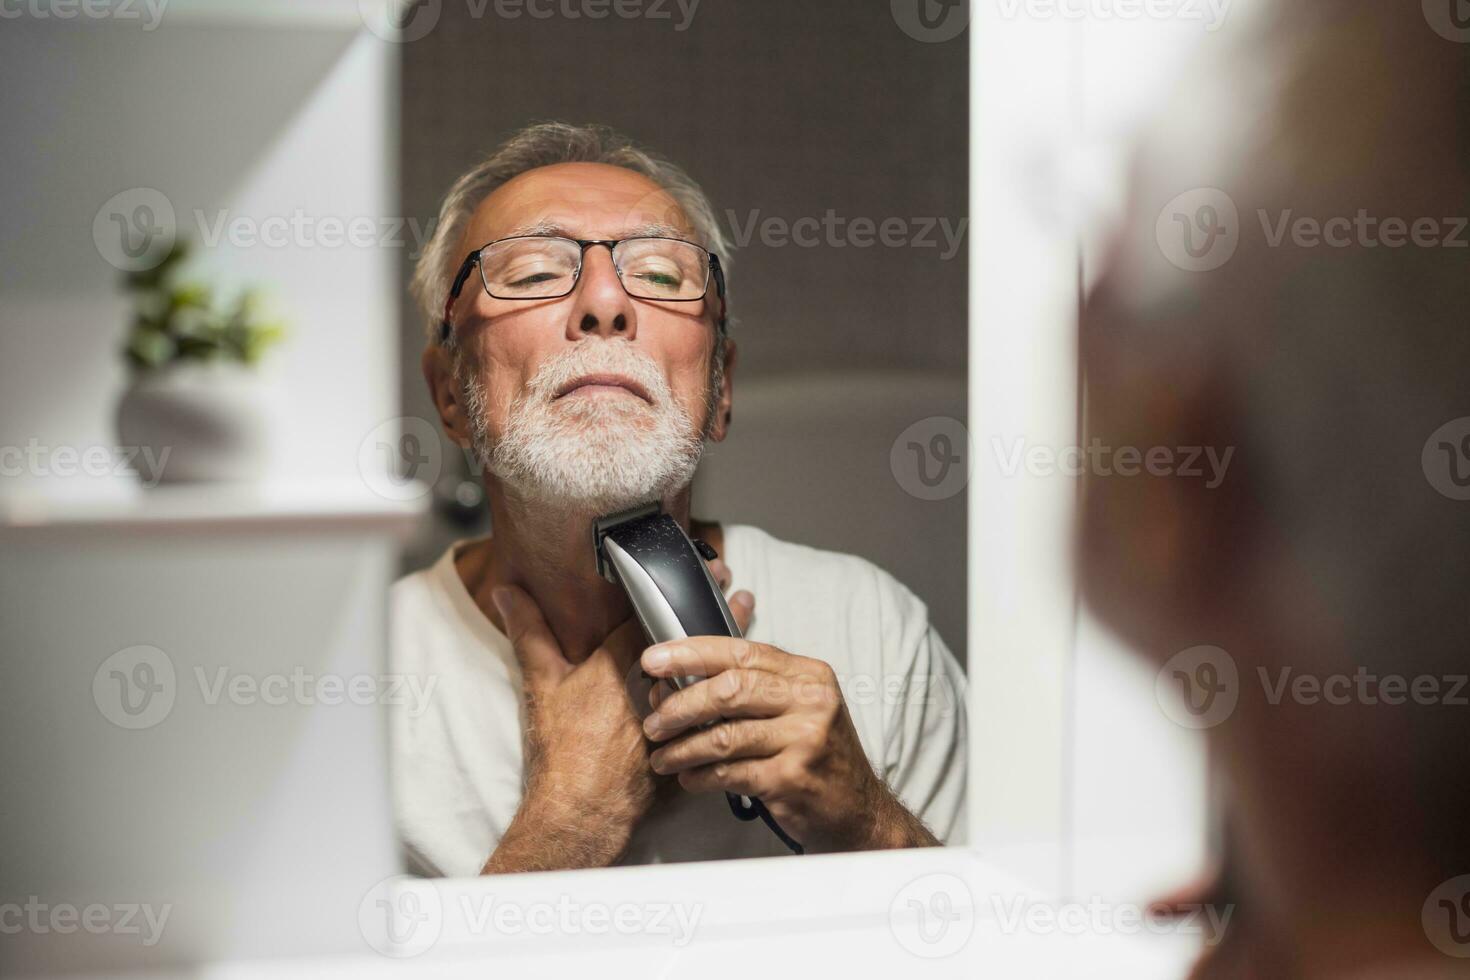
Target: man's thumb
[{"x": 536, "y": 648}]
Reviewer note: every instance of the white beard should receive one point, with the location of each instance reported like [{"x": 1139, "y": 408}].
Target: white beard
[{"x": 589, "y": 453}]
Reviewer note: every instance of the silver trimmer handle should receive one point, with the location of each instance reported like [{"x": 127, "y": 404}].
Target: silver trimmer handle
[{"x": 673, "y": 595}]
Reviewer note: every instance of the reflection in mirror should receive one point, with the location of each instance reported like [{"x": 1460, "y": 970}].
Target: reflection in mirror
[{"x": 667, "y": 616}]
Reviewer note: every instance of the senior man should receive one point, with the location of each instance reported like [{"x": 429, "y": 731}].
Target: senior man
[
  {"x": 1311, "y": 607},
  {"x": 578, "y": 346}
]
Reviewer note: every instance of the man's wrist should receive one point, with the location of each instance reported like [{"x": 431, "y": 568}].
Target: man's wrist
[
  {"x": 547, "y": 834},
  {"x": 886, "y": 824}
]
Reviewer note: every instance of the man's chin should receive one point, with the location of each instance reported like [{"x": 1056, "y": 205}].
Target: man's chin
[
  {"x": 602, "y": 407},
  {"x": 597, "y": 458},
  {"x": 591, "y": 477},
  {"x": 591, "y": 503}
]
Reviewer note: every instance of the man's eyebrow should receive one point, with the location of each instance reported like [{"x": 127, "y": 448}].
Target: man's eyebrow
[
  {"x": 652, "y": 229},
  {"x": 542, "y": 227}
]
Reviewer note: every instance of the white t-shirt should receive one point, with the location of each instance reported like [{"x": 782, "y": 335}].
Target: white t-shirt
[{"x": 456, "y": 755}]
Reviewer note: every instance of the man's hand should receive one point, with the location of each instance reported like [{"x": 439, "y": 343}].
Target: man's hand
[
  {"x": 587, "y": 772},
  {"x": 780, "y": 731},
  {"x": 588, "y": 781}
]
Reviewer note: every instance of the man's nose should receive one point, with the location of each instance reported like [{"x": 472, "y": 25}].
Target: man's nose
[{"x": 600, "y": 304}]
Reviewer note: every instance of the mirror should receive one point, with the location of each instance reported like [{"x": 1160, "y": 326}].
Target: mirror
[{"x": 823, "y": 426}]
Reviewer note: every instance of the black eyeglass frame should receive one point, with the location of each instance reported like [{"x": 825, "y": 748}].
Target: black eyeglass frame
[{"x": 473, "y": 259}]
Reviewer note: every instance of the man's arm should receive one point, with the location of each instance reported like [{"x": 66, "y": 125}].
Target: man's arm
[
  {"x": 549, "y": 836},
  {"x": 586, "y": 762}
]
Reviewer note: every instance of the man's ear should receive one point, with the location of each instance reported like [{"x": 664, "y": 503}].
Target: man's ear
[
  {"x": 726, "y": 398},
  {"x": 1165, "y": 554},
  {"x": 444, "y": 389}
]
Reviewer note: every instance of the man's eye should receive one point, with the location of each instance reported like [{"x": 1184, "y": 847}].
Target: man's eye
[
  {"x": 534, "y": 278},
  {"x": 659, "y": 278}
]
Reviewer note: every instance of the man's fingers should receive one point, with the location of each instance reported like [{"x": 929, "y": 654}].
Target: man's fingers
[
  {"x": 706, "y": 656},
  {"x": 745, "y": 739},
  {"x": 742, "y": 607},
  {"x": 536, "y": 648},
  {"x": 731, "y": 694},
  {"x": 721, "y": 573},
  {"x": 659, "y": 693},
  {"x": 748, "y": 777}
]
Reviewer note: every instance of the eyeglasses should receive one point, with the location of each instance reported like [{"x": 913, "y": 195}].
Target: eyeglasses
[{"x": 668, "y": 270}]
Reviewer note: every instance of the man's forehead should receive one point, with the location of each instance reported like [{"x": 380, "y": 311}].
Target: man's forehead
[{"x": 578, "y": 200}]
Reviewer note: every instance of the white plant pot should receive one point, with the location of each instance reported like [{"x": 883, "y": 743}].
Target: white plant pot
[{"x": 201, "y": 422}]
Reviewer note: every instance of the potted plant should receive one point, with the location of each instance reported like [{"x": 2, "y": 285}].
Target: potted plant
[{"x": 195, "y": 396}]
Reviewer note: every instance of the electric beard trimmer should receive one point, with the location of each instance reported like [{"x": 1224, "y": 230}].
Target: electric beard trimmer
[{"x": 673, "y": 595}]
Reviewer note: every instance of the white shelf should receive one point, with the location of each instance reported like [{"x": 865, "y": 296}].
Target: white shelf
[{"x": 127, "y": 507}]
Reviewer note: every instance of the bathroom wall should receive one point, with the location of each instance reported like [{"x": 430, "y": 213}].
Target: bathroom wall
[{"x": 826, "y": 110}]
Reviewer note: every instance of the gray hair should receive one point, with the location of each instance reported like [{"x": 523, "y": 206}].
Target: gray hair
[{"x": 542, "y": 145}]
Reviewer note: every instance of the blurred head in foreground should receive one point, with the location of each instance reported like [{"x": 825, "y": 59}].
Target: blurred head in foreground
[{"x": 1292, "y": 281}]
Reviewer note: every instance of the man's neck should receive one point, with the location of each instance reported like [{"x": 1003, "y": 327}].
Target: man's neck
[
  {"x": 548, "y": 552},
  {"x": 1333, "y": 882}
]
